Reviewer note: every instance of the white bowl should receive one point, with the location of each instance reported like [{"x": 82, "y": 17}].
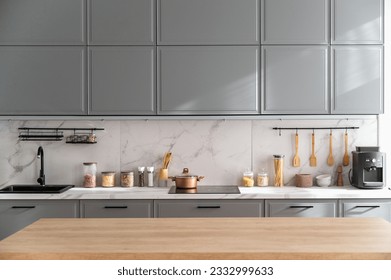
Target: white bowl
[{"x": 323, "y": 180}]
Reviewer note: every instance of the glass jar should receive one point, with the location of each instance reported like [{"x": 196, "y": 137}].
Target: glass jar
[
  {"x": 262, "y": 179},
  {"x": 108, "y": 179},
  {"x": 127, "y": 179},
  {"x": 89, "y": 172},
  {"x": 248, "y": 178},
  {"x": 278, "y": 170}
]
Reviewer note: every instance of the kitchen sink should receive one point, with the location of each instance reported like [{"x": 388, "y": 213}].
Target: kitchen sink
[{"x": 36, "y": 189}]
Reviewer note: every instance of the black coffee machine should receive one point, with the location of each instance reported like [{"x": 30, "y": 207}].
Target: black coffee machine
[{"x": 368, "y": 168}]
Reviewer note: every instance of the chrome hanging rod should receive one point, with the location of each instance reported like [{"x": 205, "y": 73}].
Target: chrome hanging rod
[{"x": 316, "y": 128}]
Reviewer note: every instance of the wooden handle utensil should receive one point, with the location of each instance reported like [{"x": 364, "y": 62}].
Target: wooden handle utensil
[
  {"x": 330, "y": 159},
  {"x": 346, "y": 158},
  {"x": 296, "y": 159},
  {"x": 313, "y": 157}
]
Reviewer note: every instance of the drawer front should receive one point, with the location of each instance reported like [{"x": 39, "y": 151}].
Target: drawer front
[
  {"x": 17, "y": 214},
  {"x": 116, "y": 208},
  {"x": 366, "y": 209},
  {"x": 301, "y": 209},
  {"x": 208, "y": 208}
]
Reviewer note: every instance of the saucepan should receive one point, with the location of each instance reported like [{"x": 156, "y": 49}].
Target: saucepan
[{"x": 186, "y": 180}]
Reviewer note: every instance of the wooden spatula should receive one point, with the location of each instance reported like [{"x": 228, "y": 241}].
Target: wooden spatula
[
  {"x": 313, "y": 157},
  {"x": 296, "y": 159},
  {"x": 330, "y": 159},
  {"x": 346, "y": 159}
]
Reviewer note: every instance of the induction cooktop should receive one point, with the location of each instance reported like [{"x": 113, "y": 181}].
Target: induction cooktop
[{"x": 207, "y": 190}]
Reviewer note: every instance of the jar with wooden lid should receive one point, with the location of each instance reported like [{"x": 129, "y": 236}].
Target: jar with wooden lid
[
  {"x": 89, "y": 174},
  {"x": 108, "y": 179}
]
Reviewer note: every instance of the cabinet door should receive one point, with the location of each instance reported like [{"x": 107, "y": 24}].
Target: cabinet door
[
  {"x": 366, "y": 208},
  {"x": 39, "y": 80},
  {"x": 121, "y": 22},
  {"x": 295, "y": 22},
  {"x": 17, "y": 214},
  {"x": 357, "y": 80},
  {"x": 42, "y": 22},
  {"x": 301, "y": 208},
  {"x": 208, "y": 80},
  {"x": 219, "y": 22},
  {"x": 116, "y": 208},
  {"x": 122, "y": 80},
  {"x": 295, "y": 80},
  {"x": 208, "y": 208},
  {"x": 357, "y": 21}
]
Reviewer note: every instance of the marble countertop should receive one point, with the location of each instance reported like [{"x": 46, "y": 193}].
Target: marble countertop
[{"x": 287, "y": 192}]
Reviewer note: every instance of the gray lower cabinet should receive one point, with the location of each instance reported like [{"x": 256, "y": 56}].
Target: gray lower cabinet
[
  {"x": 199, "y": 80},
  {"x": 113, "y": 208},
  {"x": 301, "y": 208},
  {"x": 42, "y": 22},
  {"x": 357, "y": 21},
  {"x": 177, "y": 208},
  {"x": 122, "y": 80},
  {"x": 357, "y": 75},
  {"x": 295, "y": 80},
  {"x": 17, "y": 214},
  {"x": 208, "y": 22},
  {"x": 121, "y": 22},
  {"x": 42, "y": 80},
  {"x": 366, "y": 208},
  {"x": 295, "y": 22}
]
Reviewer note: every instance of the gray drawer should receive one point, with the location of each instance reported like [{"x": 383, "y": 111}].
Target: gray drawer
[
  {"x": 301, "y": 208},
  {"x": 366, "y": 208},
  {"x": 116, "y": 208},
  {"x": 208, "y": 208}
]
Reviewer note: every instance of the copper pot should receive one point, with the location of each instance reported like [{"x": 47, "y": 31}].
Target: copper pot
[{"x": 186, "y": 181}]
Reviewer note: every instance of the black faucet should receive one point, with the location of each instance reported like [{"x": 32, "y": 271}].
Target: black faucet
[{"x": 41, "y": 179}]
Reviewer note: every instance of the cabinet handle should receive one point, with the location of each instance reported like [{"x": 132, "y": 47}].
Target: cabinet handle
[
  {"x": 301, "y": 207},
  {"x": 208, "y": 206},
  {"x": 367, "y": 206},
  {"x": 23, "y": 207},
  {"x": 116, "y": 207}
]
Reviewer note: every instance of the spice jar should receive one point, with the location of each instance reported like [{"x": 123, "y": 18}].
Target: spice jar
[
  {"x": 262, "y": 179},
  {"x": 108, "y": 179},
  {"x": 150, "y": 173},
  {"x": 141, "y": 176},
  {"x": 127, "y": 179},
  {"x": 278, "y": 170},
  {"x": 89, "y": 172},
  {"x": 248, "y": 180}
]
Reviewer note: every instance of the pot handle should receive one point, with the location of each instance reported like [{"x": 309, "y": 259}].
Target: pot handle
[
  {"x": 199, "y": 178},
  {"x": 172, "y": 178}
]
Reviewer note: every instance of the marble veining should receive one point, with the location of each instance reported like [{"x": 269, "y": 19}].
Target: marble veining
[{"x": 220, "y": 150}]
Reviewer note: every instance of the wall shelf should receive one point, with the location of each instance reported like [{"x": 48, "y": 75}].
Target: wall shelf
[{"x": 81, "y": 135}]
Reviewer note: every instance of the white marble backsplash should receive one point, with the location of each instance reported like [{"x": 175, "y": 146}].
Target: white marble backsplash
[{"x": 220, "y": 150}]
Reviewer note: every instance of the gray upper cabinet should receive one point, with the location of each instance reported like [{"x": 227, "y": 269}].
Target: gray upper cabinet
[
  {"x": 208, "y": 22},
  {"x": 121, "y": 80},
  {"x": 357, "y": 80},
  {"x": 121, "y": 22},
  {"x": 295, "y": 22},
  {"x": 295, "y": 80},
  {"x": 208, "y": 80},
  {"x": 42, "y": 22},
  {"x": 38, "y": 80},
  {"x": 357, "y": 21}
]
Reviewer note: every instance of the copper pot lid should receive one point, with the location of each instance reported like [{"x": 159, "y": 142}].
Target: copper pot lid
[{"x": 185, "y": 174}]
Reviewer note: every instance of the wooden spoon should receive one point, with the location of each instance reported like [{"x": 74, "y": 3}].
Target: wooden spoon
[
  {"x": 346, "y": 159},
  {"x": 313, "y": 157},
  {"x": 296, "y": 159},
  {"x": 330, "y": 159}
]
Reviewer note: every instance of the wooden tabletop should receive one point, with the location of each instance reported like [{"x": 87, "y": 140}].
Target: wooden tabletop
[{"x": 201, "y": 238}]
